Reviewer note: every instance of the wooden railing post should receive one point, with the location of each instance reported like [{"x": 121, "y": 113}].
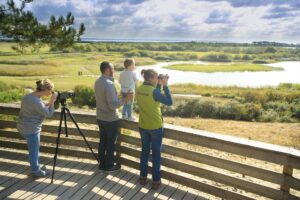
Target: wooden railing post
[{"x": 287, "y": 171}]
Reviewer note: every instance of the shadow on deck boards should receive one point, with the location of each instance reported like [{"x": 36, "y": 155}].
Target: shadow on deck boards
[{"x": 78, "y": 179}]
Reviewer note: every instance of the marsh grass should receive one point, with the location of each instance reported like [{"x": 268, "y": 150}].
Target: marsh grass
[{"x": 284, "y": 89}]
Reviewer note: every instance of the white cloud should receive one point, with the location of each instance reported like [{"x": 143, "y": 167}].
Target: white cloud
[{"x": 181, "y": 19}]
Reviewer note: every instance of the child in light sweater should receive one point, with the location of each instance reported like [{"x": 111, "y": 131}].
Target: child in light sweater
[{"x": 128, "y": 80}]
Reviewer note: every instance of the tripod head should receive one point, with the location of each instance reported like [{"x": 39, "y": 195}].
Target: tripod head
[{"x": 62, "y": 99}]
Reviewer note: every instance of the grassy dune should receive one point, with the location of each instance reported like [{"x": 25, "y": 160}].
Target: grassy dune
[{"x": 222, "y": 67}]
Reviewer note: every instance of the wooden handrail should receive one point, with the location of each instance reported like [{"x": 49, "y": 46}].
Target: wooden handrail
[{"x": 289, "y": 158}]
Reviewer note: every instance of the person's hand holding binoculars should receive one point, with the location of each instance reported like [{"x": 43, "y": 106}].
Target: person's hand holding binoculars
[{"x": 163, "y": 79}]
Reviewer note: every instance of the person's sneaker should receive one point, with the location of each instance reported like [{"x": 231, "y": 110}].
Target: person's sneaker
[
  {"x": 41, "y": 173},
  {"x": 43, "y": 168},
  {"x": 156, "y": 185},
  {"x": 131, "y": 119},
  {"x": 101, "y": 169},
  {"x": 143, "y": 180},
  {"x": 124, "y": 117},
  {"x": 113, "y": 169}
]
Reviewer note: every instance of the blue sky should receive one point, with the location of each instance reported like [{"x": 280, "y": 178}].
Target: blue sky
[{"x": 204, "y": 20}]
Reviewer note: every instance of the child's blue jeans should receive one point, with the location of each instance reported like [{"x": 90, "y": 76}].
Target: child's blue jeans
[{"x": 127, "y": 108}]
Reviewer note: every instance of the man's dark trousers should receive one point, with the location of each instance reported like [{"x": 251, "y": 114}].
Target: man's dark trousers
[{"x": 108, "y": 136}]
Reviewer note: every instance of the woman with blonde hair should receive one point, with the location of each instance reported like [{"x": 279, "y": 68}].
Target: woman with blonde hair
[{"x": 32, "y": 114}]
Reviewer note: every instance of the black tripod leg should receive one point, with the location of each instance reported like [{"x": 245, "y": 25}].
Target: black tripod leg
[
  {"x": 72, "y": 118},
  {"x": 57, "y": 142},
  {"x": 66, "y": 127}
]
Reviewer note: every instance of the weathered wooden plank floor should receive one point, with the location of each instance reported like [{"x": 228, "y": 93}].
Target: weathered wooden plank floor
[{"x": 77, "y": 178}]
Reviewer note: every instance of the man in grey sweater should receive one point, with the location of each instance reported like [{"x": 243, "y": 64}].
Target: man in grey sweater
[{"x": 107, "y": 102}]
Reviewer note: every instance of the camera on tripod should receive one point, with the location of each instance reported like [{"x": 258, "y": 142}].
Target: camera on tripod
[{"x": 62, "y": 98}]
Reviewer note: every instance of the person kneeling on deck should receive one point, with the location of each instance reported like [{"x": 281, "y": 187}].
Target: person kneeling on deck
[
  {"x": 107, "y": 102},
  {"x": 149, "y": 97},
  {"x": 32, "y": 113}
]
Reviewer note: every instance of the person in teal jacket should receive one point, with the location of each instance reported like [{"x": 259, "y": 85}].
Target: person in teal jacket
[{"x": 149, "y": 98}]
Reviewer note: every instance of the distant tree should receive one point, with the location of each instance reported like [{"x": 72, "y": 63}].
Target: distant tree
[{"x": 23, "y": 27}]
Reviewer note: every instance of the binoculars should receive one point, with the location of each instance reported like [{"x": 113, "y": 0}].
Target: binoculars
[{"x": 162, "y": 76}]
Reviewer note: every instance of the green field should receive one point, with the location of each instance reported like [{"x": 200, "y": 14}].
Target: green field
[
  {"x": 232, "y": 67},
  {"x": 61, "y": 64}
]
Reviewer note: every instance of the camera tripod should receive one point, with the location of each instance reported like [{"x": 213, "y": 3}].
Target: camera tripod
[{"x": 63, "y": 117}]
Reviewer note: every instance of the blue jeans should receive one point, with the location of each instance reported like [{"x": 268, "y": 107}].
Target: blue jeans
[
  {"x": 33, "y": 144},
  {"x": 127, "y": 108},
  {"x": 151, "y": 139}
]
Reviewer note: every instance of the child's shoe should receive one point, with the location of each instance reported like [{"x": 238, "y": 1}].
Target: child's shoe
[{"x": 131, "y": 119}]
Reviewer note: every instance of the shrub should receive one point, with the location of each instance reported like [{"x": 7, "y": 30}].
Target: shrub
[
  {"x": 296, "y": 111},
  {"x": 253, "y": 111},
  {"x": 237, "y": 57},
  {"x": 230, "y": 111},
  {"x": 260, "y": 62},
  {"x": 277, "y": 106},
  {"x": 133, "y": 53},
  {"x": 185, "y": 109},
  {"x": 255, "y": 97},
  {"x": 211, "y": 109},
  {"x": 286, "y": 118},
  {"x": 270, "y": 50},
  {"x": 217, "y": 58},
  {"x": 246, "y": 57},
  {"x": 205, "y": 109},
  {"x": 11, "y": 95},
  {"x": 84, "y": 96},
  {"x": 269, "y": 116},
  {"x": 146, "y": 54},
  {"x": 102, "y": 49}
]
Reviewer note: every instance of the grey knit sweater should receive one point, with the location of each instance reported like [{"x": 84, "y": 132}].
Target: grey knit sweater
[
  {"x": 107, "y": 100},
  {"x": 33, "y": 112}
]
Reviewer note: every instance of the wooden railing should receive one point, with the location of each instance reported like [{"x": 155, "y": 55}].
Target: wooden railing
[{"x": 183, "y": 160}]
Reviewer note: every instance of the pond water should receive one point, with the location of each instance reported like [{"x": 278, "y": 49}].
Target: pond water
[{"x": 290, "y": 74}]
